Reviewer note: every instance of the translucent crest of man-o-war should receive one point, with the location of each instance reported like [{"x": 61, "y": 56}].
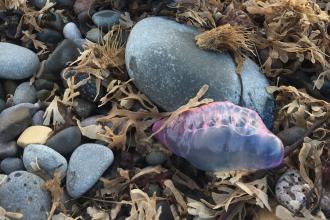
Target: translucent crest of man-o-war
[{"x": 221, "y": 136}]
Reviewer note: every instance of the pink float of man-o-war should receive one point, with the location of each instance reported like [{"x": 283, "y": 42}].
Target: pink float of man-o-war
[{"x": 221, "y": 136}]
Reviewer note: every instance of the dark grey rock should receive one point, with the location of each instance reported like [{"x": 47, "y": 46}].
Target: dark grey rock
[
  {"x": 71, "y": 31},
  {"x": 156, "y": 157},
  {"x": 37, "y": 118},
  {"x": 43, "y": 84},
  {"x": 15, "y": 120},
  {"x": 83, "y": 108},
  {"x": 17, "y": 62},
  {"x": 55, "y": 21},
  {"x": 106, "y": 19},
  {"x": 87, "y": 164},
  {"x": 65, "y": 3},
  {"x": 95, "y": 35},
  {"x": 43, "y": 94},
  {"x": 166, "y": 213},
  {"x": 38, "y": 3},
  {"x": 8, "y": 149},
  {"x": 11, "y": 164},
  {"x": 291, "y": 135},
  {"x": 49, "y": 36},
  {"x": 22, "y": 192},
  {"x": 66, "y": 140},
  {"x": 2, "y": 105},
  {"x": 65, "y": 52},
  {"x": 80, "y": 43},
  {"x": 2, "y": 92},
  {"x": 47, "y": 159},
  {"x": 9, "y": 86},
  {"x": 154, "y": 189},
  {"x": 161, "y": 56},
  {"x": 25, "y": 94}
]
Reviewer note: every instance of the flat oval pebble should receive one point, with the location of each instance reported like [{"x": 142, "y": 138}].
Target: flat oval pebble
[
  {"x": 87, "y": 164},
  {"x": 161, "y": 56},
  {"x": 291, "y": 190},
  {"x": 71, "y": 31},
  {"x": 22, "y": 192},
  {"x": 17, "y": 62},
  {"x": 46, "y": 158},
  {"x": 11, "y": 164},
  {"x": 36, "y": 134},
  {"x": 221, "y": 136},
  {"x": 15, "y": 120},
  {"x": 106, "y": 19},
  {"x": 66, "y": 140},
  {"x": 25, "y": 93}
]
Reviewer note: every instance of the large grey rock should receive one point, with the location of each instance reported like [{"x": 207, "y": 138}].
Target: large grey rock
[
  {"x": 166, "y": 65},
  {"x": 47, "y": 159},
  {"x": 17, "y": 62},
  {"x": 15, "y": 120},
  {"x": 66, "y": 140},
  {"x": 8, "y": 149},
  {"x": 65, "y": 52},
  {"x": 11, "y": 164},
  {"x": 22, "y": 192},
  {"x": 87, "y": 164},
  {"x": 25, "y": 93}
]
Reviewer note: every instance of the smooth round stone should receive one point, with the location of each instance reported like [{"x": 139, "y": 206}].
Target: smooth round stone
[
  {"x": 71, "y": 31},
  {"x": 49, "y": 36},
  {"x": 34, "y": 135},
  {"x": 25, "y": 93},
  {"x": 161, "y": 56},
  {"x": 37, "y": 118},
  {"x": 65, "y": 52},
  {"x": 291, "y": 135},
  {"x": 106, "y": 19},
  {"x": 156, "y": 158},
  {"x": 95, "y": 35},
  {"x": 12, "y": 164},
  {"x": 2, "y": 105},
  {"x": 43, "y": 84},
  {"x": 38, "y": 3},
  {"x": 87, "y": 164},
  {"x": 15, "y": 120},
  {"x": 8, "y": 149},
  {"x": 22, "y": 192},
  {"x": 83, "y": 108},
  {"x": 47, "y": 159},
  {"x": 66, "y": 140},
  {"x": 17, "y": 62}
]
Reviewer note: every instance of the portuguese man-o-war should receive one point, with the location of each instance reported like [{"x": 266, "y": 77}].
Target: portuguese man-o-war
[{"x": 221, "y": 136}]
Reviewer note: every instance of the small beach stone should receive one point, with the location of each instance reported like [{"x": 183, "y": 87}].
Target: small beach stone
[
  {"x": 15, "y": 120},
  {"x": 17, "y": 62},
  {"x": 95, "y": 35},
  {"x": 47, "y": 159},
  {"x": 83, "y": 108},
  {"x": 25, "y": 93},
  {"x": 37, "y": 118},
  {"x": 49, "y": 36},
  {"x": 43, "y": 94},
  {"x": 8, "y": 149},
  {"x": 12, "y": 164},
  {"x": 66, "y": 140},
  {"x": 87, "y": 164},
  {"x": 291, "y": 135},
  {"x": 22, "y": 192},
  {"x": 291, "y": 190},
  {"x": 34, "y": 135},
  {"x": 40, "y": 84},
  {"x": 71, "y": 31},
  {"x": 65, "y": 52},
  {"x": 38, "y": 3},
  {"x": 106, "y": 19},
  {"x": 161, "y": 56},
  {"x": 156, "y": 158}
]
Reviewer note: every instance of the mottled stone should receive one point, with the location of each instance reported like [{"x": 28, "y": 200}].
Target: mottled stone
[
  {"x": 17, "y": 62},
  {"x": 34, "y": 135},
  {"x": 87, "y": 164},
  {"x": 161, "y": 56},
  {"x": 66, "y": 140},
  {"x": 22, "y": 192},
  {"x": 47, "y": 159},
  {"x": 83, "y": 108},
  {"x": 25, "y": 93},
  {"x": 11, "y": 164}
]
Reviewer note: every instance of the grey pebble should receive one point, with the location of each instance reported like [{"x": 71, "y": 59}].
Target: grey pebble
[
  {"x": 38, "y": 3},
  {"x": 106, "y": 19},
  {"x": 37, "y": 118},
  {"x": 66, "y": 51},
  {"x": 83, "y": 107},
  {"x": 22, "y": 192},
  {"x": 49, "y": 36},
  {"x": 17, "y": 62},
  {"x": 25, "y": 93},
  {"x": 14, "y": 120},
  {"x": 87, "y": 164},
  {"x": 47, "y": 159},
  {"x": 161, "y": 56},
  {"x": 66, "y": 140},
  {"x": 291, "y": 135},
  {"x": 8, "y": 149},
  {"x": 71, "y": 31},
  {"x": 156, "y": 158},
  {"x": 40, "y": 84},
  {"x": 95, "y": 35},
  {"x": 43, "y": 94},
  {"x": 11, "y": 164}
]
